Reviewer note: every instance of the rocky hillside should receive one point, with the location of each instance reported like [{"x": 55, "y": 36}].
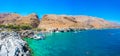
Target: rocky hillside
[
  {"x": 8, "y": 18},
  {"x": 61, "y": 22},
  {"x": 56, "y": 22},
  {"x": 15, "y": 19}
]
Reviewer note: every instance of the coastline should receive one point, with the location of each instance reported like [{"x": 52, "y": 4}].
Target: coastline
[
  {"x": 56, "y": 31},
  {"x": 55, "y": 34},
  {"x": 43, "y": 33}
]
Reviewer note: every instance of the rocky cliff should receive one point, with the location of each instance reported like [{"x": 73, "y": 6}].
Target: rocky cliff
[
  {"x": 61, "y": 22},
  {"x": 15, "y": 19},
  {"x": 11, "y": 44}
]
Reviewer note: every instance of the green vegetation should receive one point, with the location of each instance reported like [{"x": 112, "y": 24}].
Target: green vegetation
[
  {"x": 26, "y": 27},
  {"x": 39, "y": 29},
  {"x": 2, "y": 26},
  {"x": 16, "y": 27},
  {"x": 21, "y": 27}
]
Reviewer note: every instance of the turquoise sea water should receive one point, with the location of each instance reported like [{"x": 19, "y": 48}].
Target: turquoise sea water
[{"x": 84, "y": 43}]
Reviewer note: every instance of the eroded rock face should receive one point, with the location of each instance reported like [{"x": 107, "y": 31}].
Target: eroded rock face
[
  {"x": 11, "y": 44},
  {"x": 15, "y": 19},
  {"x": 60, "y": 22}
]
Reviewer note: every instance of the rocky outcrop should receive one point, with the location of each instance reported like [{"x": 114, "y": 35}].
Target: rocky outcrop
[
  {"x": 64, "y": 22},
  {"x": 11, "y": 44},
  {"x": 31, "y": 34},
  {"x": 15, "y": 19}
]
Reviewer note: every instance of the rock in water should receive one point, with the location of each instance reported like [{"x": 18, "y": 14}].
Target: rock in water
[{"x": 12, "y": 45}]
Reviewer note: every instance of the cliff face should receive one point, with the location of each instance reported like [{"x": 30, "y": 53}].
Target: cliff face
[
  {"x": 15, "y": 19},
  {"x": 50, "y": 22}
]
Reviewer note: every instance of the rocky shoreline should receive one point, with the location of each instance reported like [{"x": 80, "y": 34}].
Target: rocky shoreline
[
  {"x": 11, "y": 44},
  {"x": 75, "y": 29},
  {"x": 31, "y": 34}
]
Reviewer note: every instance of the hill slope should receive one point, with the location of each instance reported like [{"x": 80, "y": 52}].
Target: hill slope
[
  {"x": 61, "y": 22},
  {"x": 15, "y": 19}
]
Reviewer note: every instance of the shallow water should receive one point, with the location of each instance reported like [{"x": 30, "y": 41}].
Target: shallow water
[{"x": 84, "y": 43}]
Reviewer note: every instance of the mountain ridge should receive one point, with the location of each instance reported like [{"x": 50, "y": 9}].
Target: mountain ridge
[{"x": 56, "y": 22}]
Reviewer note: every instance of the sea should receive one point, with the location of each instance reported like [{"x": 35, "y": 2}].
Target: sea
[{"x": 104, "y": 42}]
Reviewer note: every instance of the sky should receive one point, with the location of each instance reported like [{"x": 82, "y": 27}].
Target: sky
[{"x": 107, "y": 9}]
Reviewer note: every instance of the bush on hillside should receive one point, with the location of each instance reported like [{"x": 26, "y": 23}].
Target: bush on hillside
[
  {"x": 2, "y": 26},
  {"x": 25, "y": 27},
  {"x": 37, "y": 29},
  {"x": 16, "y": 27}
]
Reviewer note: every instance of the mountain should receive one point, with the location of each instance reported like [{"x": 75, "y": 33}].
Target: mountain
[
  {"x": 60, "y": 22},
  {"x": 8, "y": 18},
  {"x": 31, "y": 20},
  {"x": 15, "y": 19},
  {"x": 56, "y": 22}
]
